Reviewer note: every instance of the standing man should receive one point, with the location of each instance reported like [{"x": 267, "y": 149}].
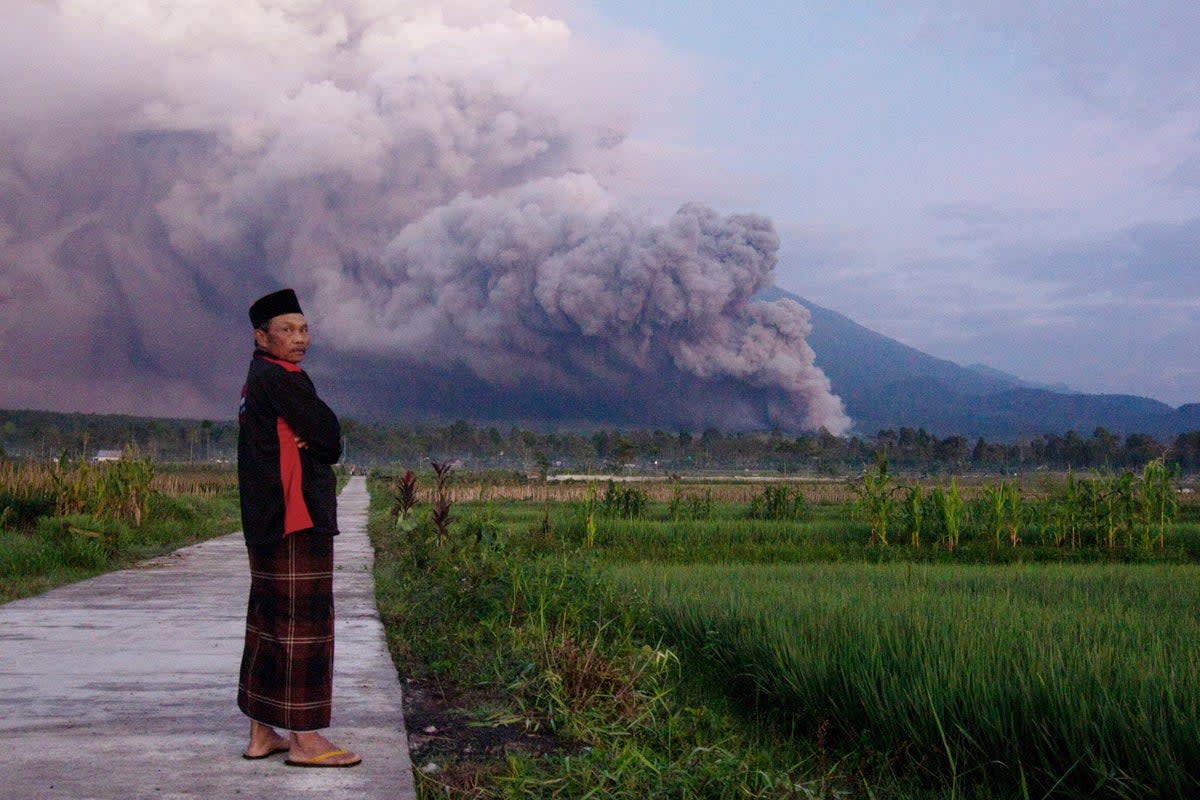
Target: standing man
[{"x": 288, "y": 440}]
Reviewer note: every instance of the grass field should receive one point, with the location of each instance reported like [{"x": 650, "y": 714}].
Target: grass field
[
  {"x": 70, "y": 522},
  {"x": 1079, "y": 675},
  {"x": 840, "y": 667},
  {"x": 739, "y": 638}
]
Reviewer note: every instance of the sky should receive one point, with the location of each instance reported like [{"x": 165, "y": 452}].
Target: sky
[
  {"x": 1013, "y": 184},
  {"x": 541, "y": 208}
]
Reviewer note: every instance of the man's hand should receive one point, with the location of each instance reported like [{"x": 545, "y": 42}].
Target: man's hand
[{"x": 300, "y": 442}]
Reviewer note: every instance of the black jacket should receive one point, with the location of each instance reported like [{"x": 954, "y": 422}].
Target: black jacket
[{"x": 285, "y": 488}]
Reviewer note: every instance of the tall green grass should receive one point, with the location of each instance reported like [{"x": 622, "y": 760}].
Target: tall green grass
[
  {"x": 727, "y": 539},
  {"x": 1080, "y": 678},
  {"x": 737, "y": 539},
  {"x": 504, "y": 602},
  {"x": 887, "y": 675},
  {"x": 40, "y": 549}
]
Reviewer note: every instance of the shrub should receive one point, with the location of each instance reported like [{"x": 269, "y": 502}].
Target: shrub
[
  {"x": 780, "y": 502},
  {"x": 624, "y": 501}
]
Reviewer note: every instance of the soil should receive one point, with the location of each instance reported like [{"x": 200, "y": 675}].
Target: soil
[{"x": 452, "y": 741}]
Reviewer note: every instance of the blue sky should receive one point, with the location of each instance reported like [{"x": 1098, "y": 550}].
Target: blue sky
[{"x": 1010, "y": 184}]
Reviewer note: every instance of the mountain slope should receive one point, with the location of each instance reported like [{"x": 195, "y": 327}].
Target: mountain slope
[{"x": 886, "y": 384}]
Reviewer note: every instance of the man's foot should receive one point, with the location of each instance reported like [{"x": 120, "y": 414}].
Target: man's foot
[
  {"x": 264, "y": 741},
  {"x": 311, "y": 749}
]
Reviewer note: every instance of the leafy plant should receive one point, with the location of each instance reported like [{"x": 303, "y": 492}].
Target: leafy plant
[
  {"x": 589, "y": 517},
  {"x": 116, "y": 491},
  {"x": 780, "y": 502},
  {"x": 876, "y": 497},
  {"x": 404, "y": 498},
  {"x": 700, "y": 506},
  {"x": 914, "y": 514},
  {"x": 439, "y": 513},
  {"x": 1160, "y": 504},
  {"x": 1069, "y": 508},
  {"x": 949, "y": 505},
  {"x": 1004, "y": 512},
  {"x": 624, "y": 501}
]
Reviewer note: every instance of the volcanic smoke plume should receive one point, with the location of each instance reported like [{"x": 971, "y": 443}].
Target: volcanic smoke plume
[{"x": 432, "y": 178}]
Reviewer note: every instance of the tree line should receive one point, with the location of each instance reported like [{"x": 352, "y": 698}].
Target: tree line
[{"x": 48, "y": 435}]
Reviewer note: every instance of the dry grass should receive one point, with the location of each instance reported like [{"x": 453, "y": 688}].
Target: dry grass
[
  {"x": 26, "y": 479},
  {"x": 195, "y": 481},
  {"x": 465, "y": 487},
  {"x": 33, "y": 478}
]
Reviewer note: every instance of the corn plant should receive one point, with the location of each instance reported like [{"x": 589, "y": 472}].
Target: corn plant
[
  {"x": 1013, "y": 519},
  {"x": 70, "y": 485},
  {"x": 26, "y": 493},
  {"x": 1041, "y": 522},
  {"x": 682, "y": 507},
  {"x": 1004, "y": 512},
  {"x": 949, "y": 505},
  {"x": 1110, "y": 502},
  {"x": 778, "y": 502},
  {"x": 624, "y": 501},
  {"x": 125, "y": 489},
  {"x": 876, "y": 497},
  {"x": 995, "y": 500},
  {"x": 914, "y": 514},
  {"x": 675, "y": 506},
  {"x": 1159, "y": 503},
  {"x": 700, "y": 506},
  {"x": 589, "y": 517},
  {"x": 1068, "y": 513},
  {"x": 1126, "y": 503},
  {"x": 117, "y": 491}
]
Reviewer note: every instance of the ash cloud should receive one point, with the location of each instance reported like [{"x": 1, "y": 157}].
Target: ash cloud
[{"x": 427, "y": 175}]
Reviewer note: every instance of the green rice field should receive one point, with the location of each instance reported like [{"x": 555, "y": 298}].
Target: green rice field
[
  {"x": 1046, "y": 675},
  {"x": 1033, "y": 638}
]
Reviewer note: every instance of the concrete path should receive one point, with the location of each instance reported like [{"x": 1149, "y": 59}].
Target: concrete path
[{"x": 124, "y": 686}]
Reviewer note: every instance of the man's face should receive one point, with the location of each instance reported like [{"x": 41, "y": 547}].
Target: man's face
[{"x": 286, "y": 337}]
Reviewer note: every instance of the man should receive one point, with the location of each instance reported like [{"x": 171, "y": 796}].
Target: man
[{"x": 288, "y": 440}]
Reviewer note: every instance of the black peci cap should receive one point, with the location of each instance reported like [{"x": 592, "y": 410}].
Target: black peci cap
[{"x": 272, "y": 305}]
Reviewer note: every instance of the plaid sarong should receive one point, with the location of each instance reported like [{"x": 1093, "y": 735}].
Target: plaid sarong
[{"x": 287, "y": 666}]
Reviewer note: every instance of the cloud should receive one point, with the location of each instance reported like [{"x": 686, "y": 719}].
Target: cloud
[
  {"x": 1134, "y": 60},
  {"x": 551, "y": 287},
  {"x": 1046, "y": 224},
  {"x": 1114, "y": 313},
  {"x": 427, "y": 175}
]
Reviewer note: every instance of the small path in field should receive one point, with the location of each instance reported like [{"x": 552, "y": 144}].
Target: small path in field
[{"x": 124, "y": 686}]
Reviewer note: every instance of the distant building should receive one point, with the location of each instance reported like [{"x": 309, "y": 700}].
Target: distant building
[{"x": 107, "y": 455}]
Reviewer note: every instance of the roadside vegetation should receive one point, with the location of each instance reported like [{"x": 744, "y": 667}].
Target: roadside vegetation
[
  {"x": 69, "y": 520},
  {"x": 884, "y": 637}
]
